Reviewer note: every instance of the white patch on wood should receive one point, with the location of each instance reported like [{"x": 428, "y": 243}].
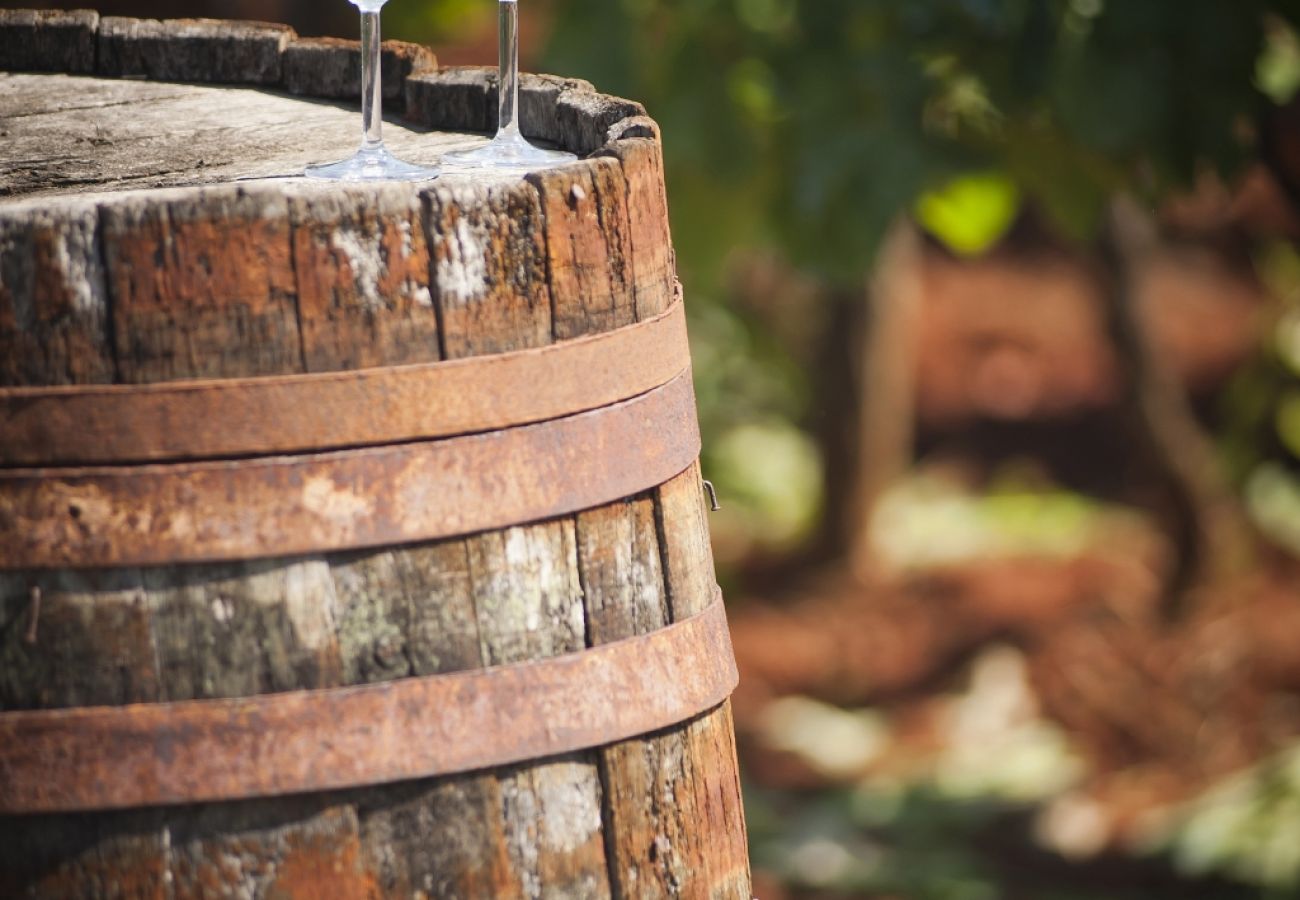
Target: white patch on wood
[
  {"x": 520, "y": 809},
  {"x": 521, "y": 558},
  {"x": 310, "y": 603},
  {"x": 462, "y": 270},
  {"x": 570, "y": 805},
  {"x": 366, "y": 263},
  {"x": 79, "y": 263},
  {"x": 222, "y": 610}
]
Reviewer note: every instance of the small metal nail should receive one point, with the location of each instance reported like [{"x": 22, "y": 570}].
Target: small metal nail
[
  {"x": 34, "y": 614},
  {"x": 714, "y": 505}
]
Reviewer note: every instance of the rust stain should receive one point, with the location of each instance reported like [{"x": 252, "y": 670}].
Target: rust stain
[{"x": 323, "y": 867}]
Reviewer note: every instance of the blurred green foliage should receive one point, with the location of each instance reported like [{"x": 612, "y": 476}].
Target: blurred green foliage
[
  {"x": 804, "y": 128},
  {"x": 439, "y": 22},
  {"x": 1260, "y": 410},
  {"x": 811, "y": 124}
]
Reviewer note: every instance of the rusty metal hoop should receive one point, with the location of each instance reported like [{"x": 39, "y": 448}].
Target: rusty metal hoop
[
  {"x": 346, "y": 500},
  {"x": 173, "y": 753},
  {"x": 246, "y": 417}
]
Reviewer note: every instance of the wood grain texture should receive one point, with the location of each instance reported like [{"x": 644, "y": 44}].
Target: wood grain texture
[
  {"x": 331, "y": 68},
  {"x": 538, "y": 96},
  {"x": 653, "y": 265},
  {"x": 66, "y": 137},
  {"x": 489, "y": 267},
  {"x": 53, "y": 300},
  {"x": 48, "y": 40},
  {"x": 710, "y": 785},
  {"x": 543, "y": 820},
  {"x": 456, "y": 98},
  {"x": 362, "y": 264},
  {"x": 684, "y": 533},
  {"x": 210, "y": 278},
  {"x": 584, "y": 118},
  {"x": 202, "y": 286},
  {"x": 213, "y": 50},
  {"x": 588, "y": 268},
  {"x": 660, "y": 787}
]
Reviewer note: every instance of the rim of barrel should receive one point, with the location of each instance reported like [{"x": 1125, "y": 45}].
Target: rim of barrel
[{"x": 569, "y": 112}]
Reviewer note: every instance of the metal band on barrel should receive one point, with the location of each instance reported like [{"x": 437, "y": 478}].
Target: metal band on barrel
[
  {"x": 118, "y": 424},
  {"x": 104, "y": 758},
  {"x": 347, "y": 500}
]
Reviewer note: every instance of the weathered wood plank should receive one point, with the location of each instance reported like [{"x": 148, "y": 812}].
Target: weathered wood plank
[
  {"x": 654, "y": 274},
  {"x": 677, "y": 825},
  {"x": 584, "y": 118},
  {"x": 589, "y": 268},
  {"x": 48, "y": 40},
  {"x": 489, "y": 267},
  {"x": 528, "y": 600},
  {"x": 214, "y": 50},
  {"x": 88, "y": 643},
  {"x": 545, "y": 820},
  {"x": 362, "y": 266},
  {"x": 53, "y": 303},
  {"x": 244, "y": 629},
  {"x": 288, "y": 847},
  {"x": 120, "y": 857},
  {"x": 439, "y": 839},
  {"x": 202, "y": 286},
  {"x": 684, "y": 534},
  {"x": 457, "y": 98},
  {"x": 331, "y": 68},
  {"x": 622, "y": 575},
  {"x": 623, "y": 588},
  {"x": 411, "y": 611},
  {"x": 538, "y": 95},
  {"x": 660, "y": 788},
  {"x": 64, "y": 136}
]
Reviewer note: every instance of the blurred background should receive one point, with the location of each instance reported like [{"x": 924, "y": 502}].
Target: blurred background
[{"x": 995, "y": 307}]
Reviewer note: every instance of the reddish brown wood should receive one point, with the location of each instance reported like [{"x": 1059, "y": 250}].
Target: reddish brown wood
[{"x": 202, "y": 286}]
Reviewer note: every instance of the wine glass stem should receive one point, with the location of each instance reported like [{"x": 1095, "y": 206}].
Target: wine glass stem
[
  {"x": 508, "y": 91},
  {"x": 372, "y": 88}
]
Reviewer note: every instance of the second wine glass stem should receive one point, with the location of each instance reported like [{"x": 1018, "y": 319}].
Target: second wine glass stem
[
  {"x": 372, "y": 88},
  {"x": 508, "y": 90}
]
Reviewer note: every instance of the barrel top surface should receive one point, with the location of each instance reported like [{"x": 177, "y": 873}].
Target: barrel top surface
[{"x": 66, "y": 135}]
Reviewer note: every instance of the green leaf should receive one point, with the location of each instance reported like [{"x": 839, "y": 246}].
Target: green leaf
[{"x": 971, "y": 213}]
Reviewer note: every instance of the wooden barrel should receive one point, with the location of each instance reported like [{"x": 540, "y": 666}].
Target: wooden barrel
[{"x": 352, "y": 542}]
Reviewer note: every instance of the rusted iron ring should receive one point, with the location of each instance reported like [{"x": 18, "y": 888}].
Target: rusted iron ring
[
  {"x": 103, "y": 758},
  {"x": 197, "y": 420},
  {"x": 355, "y": 499}
]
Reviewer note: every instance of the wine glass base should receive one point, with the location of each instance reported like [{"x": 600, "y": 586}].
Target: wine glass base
[
  {"x": 373, "y": 164},
  {"x": 508, "y": 153}
]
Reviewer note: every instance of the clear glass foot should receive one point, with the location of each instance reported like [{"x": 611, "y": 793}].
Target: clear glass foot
[
  {"x": 373, "y": 164},
  {"x": 508, "y": 153}
]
